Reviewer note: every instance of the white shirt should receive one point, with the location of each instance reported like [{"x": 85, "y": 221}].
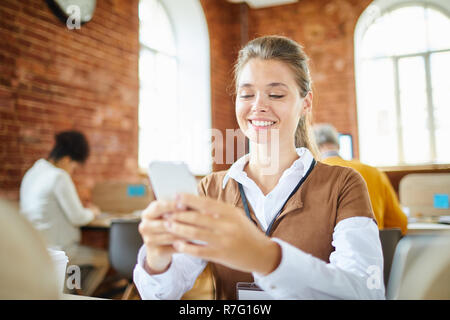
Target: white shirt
[
  {"x": 266, "y": 207},
  {"x": 355, "y": 270},
  {"x": 49, "y": 200}
]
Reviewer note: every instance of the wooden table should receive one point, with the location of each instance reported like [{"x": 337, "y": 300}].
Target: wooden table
[{"x": 105, "y": 218}]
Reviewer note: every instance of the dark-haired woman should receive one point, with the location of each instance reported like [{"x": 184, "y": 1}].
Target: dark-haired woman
[{"x": 48, "y": 198}]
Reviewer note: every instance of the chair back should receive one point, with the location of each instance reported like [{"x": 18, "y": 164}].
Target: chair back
[
  {"x": 421, "y": 268},
  {"x": 389, "y": 239},
  {"x": 124, "y": 244}
]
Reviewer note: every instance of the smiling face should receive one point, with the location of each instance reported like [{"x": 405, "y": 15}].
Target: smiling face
[{"x": 268, "y": 98}]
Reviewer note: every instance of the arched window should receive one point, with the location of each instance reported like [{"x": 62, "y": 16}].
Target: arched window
[
  {"x": 174, "y": 100},
  {"x": 402, "y": 64}
]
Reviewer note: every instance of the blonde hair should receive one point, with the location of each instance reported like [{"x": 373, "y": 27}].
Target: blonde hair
[{"x": 290, "y": 52}]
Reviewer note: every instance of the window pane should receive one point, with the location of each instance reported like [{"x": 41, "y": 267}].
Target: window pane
[
  {"x": 158, "y": 118},
  {"x": 408, "y": 29},
  {"x": 174, "y": 118},
  {"x": 146, "y": 97},
  {"x": 147, "y": 68},
  {"x": 155, "y": 29},
  {"x": 438, "y": 30},
  {"x": 154, "y": 144},
  {"x": 377, "y": 115},
  {"x": 166, "y": 75},
  {"x": 378, "y": 40},
  {"x": 440, "y": 79},
  {"x": 158, "y": 130},
  {"x": 414, "y": 111},
  {"x": 402, "y": 31}
]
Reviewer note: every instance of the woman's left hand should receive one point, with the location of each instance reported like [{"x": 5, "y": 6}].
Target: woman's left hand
[{"x": 231, "y": 238}]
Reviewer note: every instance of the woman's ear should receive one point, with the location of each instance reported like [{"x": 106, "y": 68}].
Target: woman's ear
[{"x": 307, "y": 103}]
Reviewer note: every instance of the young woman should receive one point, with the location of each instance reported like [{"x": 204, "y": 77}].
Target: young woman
[{"x": 302, "y": 231}]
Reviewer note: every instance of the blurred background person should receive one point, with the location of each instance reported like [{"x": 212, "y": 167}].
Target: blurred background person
[
  {"x": 385, "y": 204},
  {"x": 48, "y": 198}
]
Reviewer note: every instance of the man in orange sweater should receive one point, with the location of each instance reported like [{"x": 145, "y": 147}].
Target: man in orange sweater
[{"x": 384, "y": 200}]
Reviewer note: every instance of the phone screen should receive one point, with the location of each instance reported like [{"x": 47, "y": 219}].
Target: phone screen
[{"x": 169, "y": 178}]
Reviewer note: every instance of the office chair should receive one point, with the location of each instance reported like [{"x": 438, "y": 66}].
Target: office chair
[
  {"x": 124, "y": 244},
  {"x": 421, "y": 268},
  {"x": 389, "y": 239}
]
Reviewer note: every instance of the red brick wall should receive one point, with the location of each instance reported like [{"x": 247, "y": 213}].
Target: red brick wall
[
  {"x": 224, "y": 31},
  {"x": 53, "y": 79}
]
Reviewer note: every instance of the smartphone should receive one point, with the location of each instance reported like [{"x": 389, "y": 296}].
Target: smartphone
[{"x": 169, "y": 178}]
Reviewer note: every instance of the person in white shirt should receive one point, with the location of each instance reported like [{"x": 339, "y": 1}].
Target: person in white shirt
[
  {"x": 49, "y": 200},
  {"x": 297, "y": 228}
]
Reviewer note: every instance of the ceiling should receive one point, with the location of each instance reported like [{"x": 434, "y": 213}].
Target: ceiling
[{"x": 256, "y": 4}]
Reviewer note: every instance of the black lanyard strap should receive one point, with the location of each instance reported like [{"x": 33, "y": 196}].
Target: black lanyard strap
[{"x": 245, "y": 202}]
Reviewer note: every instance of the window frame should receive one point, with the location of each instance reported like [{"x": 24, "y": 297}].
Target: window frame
[
  {"x": 178, "y": 14},
  {"x": 367, "y": 18}
]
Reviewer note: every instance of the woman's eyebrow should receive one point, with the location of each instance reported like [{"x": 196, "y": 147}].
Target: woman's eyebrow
[
  {"x": 273, "y": 84},
  {"x": 277, "y": 84}
]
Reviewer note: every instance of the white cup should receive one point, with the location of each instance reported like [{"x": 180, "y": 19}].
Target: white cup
[{"x": 60, "y": 261}]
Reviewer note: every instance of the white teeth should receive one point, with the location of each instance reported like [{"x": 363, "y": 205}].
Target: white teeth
[{"x": 262, "y": 123}]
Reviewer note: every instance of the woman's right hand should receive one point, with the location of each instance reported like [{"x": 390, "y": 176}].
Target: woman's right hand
[{"x": 155, "y": 236}]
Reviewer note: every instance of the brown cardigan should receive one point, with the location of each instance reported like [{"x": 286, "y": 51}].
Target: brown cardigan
[{"x": 328, "y": 195}]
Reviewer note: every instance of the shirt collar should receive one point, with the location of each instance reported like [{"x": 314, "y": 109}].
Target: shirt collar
[{"x": 303, "y": 164}]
